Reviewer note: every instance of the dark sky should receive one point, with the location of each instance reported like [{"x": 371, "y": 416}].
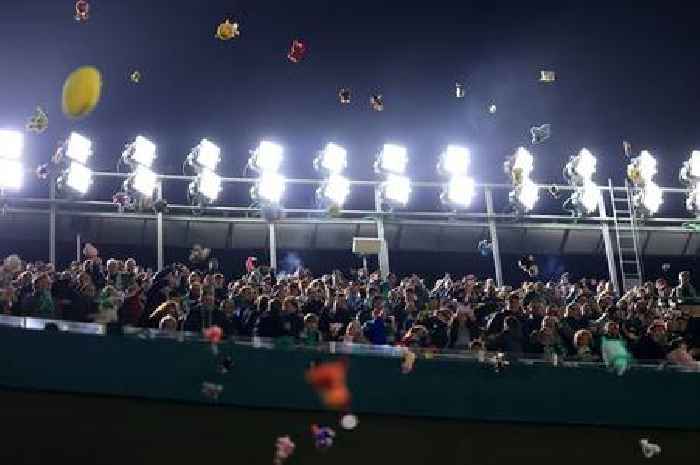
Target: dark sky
[{"x": 623, "y": 72}]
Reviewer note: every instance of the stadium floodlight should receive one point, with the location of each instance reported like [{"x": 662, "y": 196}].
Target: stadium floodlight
[
  {"x": 78, "y": 148},
  {"x": 336, "y": 189},
  {"x": 267, "y": 157},
  {"x": 585, "y": 165},
  {"x": 11, "y": 144},
  {"x": 397, "y": 189},
  {"x": 141, "y": 152},
  {"x": 143, "y": 180},
  {"x": 454, "y": 161},
  {"x": 11, "y": 173},
  {"x": 588, "y": 196},
  {"x": 647, "y": 165},
  {"x": 460, "y": 191},
  {"x": 528, "y": 195},
  {"x": 270, "y": 188},
  {"x": 692, "y": 202},
  {"x": 690, "y": 172},
  {"x": 78, "y": 177},
  {"x": 523, "y": 162},
  {"x": 333, "y": 159},
  {"x": 205, "y": 155},
  {"x": 650, "y": 197},
  {"x": 392, "y": 159},
  {"x": 209, "y": 184}
]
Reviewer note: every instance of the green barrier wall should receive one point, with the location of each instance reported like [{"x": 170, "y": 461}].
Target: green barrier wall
[{"x": 166, "y": 369}]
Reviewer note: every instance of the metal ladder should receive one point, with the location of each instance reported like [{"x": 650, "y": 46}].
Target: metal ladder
[{"x": 627, "y": 235}]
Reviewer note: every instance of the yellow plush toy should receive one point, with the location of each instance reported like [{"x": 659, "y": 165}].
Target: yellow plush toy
[{"x": 81, "y": 92}]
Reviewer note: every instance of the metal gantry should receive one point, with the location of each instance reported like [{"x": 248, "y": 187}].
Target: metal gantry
[{"x": 626, "y": 225}]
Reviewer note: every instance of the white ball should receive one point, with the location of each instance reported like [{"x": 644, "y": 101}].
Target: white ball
[{"x": 349, "y": 421}]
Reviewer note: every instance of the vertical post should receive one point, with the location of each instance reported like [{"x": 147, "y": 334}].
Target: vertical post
[
  {"x": 609, "y": 251},
  {"x": 77, "y": 247},
  {"x": 160, "y": 247},
  {"x": 52, "y": 221},
  {"x": 384, "y": 269},
  {"x": 273, "y": 246},
  {"x": 495, "y": 248}
]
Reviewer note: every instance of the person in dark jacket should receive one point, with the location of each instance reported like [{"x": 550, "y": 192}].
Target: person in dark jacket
[
  {"x": 438, "y": 326},
  {"x": 495, "y": 321},
  {"x": 201, "y": 315},
  {"x": 224, "y": 318},
  {"x": 269, "y": 323},
  {"x": 158, "y": 292},
  {"x": 69, "y": 303},
  {"x": 509, "y": 340},
  {"x": 654, "y": 344},
  {"x": 246, "y": 314},
  {"x": 375, "y": 329}
]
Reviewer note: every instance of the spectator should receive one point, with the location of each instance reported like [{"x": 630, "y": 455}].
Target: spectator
[
  {"x": 40, "y": 303},
  {"x": 131, "y": 310},
  {"x": 109, "y": 302},
  {"x": 168, "y": 307},
  {"x": 375, "y": 329},
  {"x": 310, "y": 335},
  {"x": 270, "y": 323},
  {"x": 652, "y": 345},
  {"x": 685, "y": 290},
  {"x": 547, "y": 340},
  {"x": 510, "y": 339},
  {"x": 583, "y": 340},
  {"x": 353, "y": 334},
  {"x": 679, "y": 355},
  {"x": 463, "y": 329},
  {"x": 495, "y": 321},
  {"x": 201, "y": 315}
]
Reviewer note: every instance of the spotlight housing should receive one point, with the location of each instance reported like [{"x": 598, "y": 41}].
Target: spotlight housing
[
  {"x": 206, "y": 155},
  {"x": 391, "y": 159},
  {"x": 267, "y": 157},
  {"x": 11, "y": 144},
  {"x": 396, "y": 190},
  {"x": 140, "y": 152},
  {"x": 579, "y": 172},
  {"x": 269, "y": 189},
  {"x": 333, "y": 159},
  {"x": 78, "y": 148},
  {"x": 78, "y": 177},
  {"x": 459, "y": 192},
  {"x": 335, "y": 190},
  {"x": 454, "y": 161}
]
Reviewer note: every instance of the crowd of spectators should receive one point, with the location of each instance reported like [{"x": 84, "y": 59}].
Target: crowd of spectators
[{"x": 564, "y": 319}]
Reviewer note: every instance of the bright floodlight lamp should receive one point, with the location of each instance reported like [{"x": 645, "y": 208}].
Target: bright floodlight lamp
[
  {"x": 333, "y": 159},
  {"x": 269, "y": 189},
  {"x": 647, "y": 165},
  {"x": 78, "y": 177},
  {"x": 581, "y": 167},
  {"x": 78, "y": 148},
  {"x": 143, "y": 181},
  {"x": 209, "y": 184},
  {"x": 392, "y": 159},
  {"x": 141, "y": 152},
  {"x": 649, "y": 198},
  {"x": 587, "y": 197},
  {"x": 11, "y": 173},
  {"x": 525, "y": 196},
  {"x": 459, "y": 191},
  {"x": 11, "y": 144},
  {"x": 206, "y": 155},
  {"x": 396, "y": 190},
  {"x": 454, "y": 161},
  {"x": 267, "y": 157},
  {"x": 690, "y": 172},
  {"x": 525, "y": 192},
  {"x": 692, "y": 202},
  {"x": 335, "y": 190}
]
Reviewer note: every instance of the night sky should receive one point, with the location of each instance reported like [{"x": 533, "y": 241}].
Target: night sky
[{"x": 623, "y": 72}]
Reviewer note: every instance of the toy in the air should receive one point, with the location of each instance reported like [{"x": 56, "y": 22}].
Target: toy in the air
[
  {"x": 39, "y": 121},
  {"x": 344, "y": 96},
  {"x": 528, "y": 265},
  {"x": 649, "y": 449},
  {"x": 81, "y": 92},
  {"x": 540, "y": 133},
  {"x": 212, "y": 390},
  {"x": 376, "y": 102},
  {"x": 492, "y": 108},
  {"x": 135, "y": 77},
  {"x": 485, "y": 248},
  {"x": 349, "y": 421},
  {"x": 297, "y": 51},
  {"x": 213, "y": 334},
  {"x": 284, "y": 447},
  {"x": 627, "y": 148},
  {"x": 459, "y": 90},
  {"x": 82, "y": 11},
  {"x": 407, "y": 361},
  {"x": 615, "y": 355},
  {"x": 328, "y": 379},
  {"x": 227, "y": 30},
  {"x": 323, "y": 436},
  {"x": 548, "y": 76}
]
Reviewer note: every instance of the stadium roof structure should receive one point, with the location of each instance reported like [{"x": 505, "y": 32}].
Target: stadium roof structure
[{"x": 53, "y": 219}]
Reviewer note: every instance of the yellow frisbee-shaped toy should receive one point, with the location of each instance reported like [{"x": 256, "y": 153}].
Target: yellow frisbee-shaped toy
[{"x": 81, "y": 92}]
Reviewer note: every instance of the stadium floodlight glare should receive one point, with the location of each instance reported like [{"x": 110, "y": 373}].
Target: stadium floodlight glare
[
  {"x": 78, "y": 148},
  {"x": 589, "y": 196},
  {"x": 332, "y": 159},
  {"x": 454, "y": 161},
  {"x": 392, "y": 159},
  {"x": 646, "y": 163},
  {"x": 144, "y": 181},
  {"x": 267, "y": 157},
  {"x": 585, "y": 164},
  {"x": 142, "y": 151},
  {"x": 270, "y": 188},
  {"x": 397, "y": 189},
  {"x": 11, "y": 144},
  {"x": 460, "y": 191},
  {"x": 523, "y": 161},
  {"x": 11, "y": 172},
  {"x": 651, "y": 197},
  {"x": 336, "y": 189},
  {"x": 690, "y": 172},
  {"x": 205, "y": 155},
  {"x": 78, "y": 177},
  {"x": 209, "y": 184},
  {"x": 692, "y": 202},
  {"x": 528, "y": 195}
]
